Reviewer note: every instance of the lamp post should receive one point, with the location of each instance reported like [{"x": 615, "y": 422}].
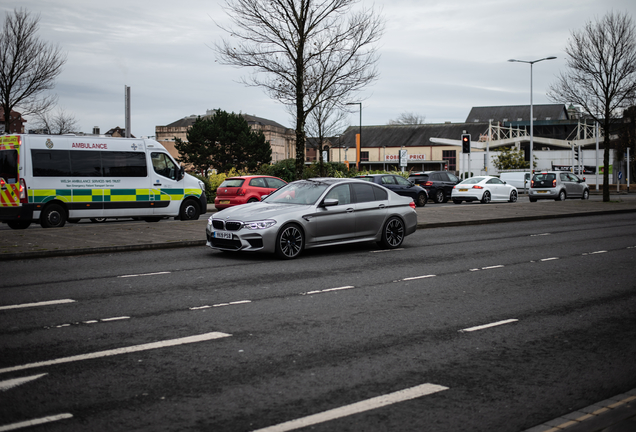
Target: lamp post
[
  {"x": 531, "y": 62},
  {"x": 360, "y": 149}
]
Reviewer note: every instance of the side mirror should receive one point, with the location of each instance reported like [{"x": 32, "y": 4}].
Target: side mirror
[
  {"x": 329, "y": 202},
  {"x": 180, "y": 173}
]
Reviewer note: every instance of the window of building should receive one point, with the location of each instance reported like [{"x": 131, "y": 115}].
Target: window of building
[
  {"x": 451, "y": 157},
  {"x": 364, "y": 156}
]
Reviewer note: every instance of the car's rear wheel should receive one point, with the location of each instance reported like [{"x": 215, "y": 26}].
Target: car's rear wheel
[
  {"x": 53, "y": 216},
  {"x": 251, "y": 200},
  {"x": 485, "y": 199},
  {"x": 421, "y": 200},
  {"x": 439, "y": 196},
  {"x": 290, "y": 242},
  {"x": 393, "y": 233},
  {"x": 586, "y": 194},
  {"x": 561, "y": 197},
  {"x": 533, "y": 200},
  {"x": 513, "y": 196}
]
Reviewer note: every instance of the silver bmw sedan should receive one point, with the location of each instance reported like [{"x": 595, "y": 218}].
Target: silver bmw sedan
[{"x": 311, "y": 213}]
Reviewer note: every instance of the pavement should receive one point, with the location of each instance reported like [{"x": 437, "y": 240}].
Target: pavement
[{"x": 617, "y": 414}]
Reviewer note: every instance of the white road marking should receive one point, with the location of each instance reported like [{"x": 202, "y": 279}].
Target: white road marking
[
  {"x": 486, "y": 268},
  {"x": 418, "y": 277},
  {"x": 9, "y": 384},
  {"x": 537, "y": 235},
  {"x": 221, "y": 304},
  {"x": 115, "y": 318},
  {"x": 485, "y": 326},
  {"x": 328, "y": 290},
  {"x": 35, "y": 422},
  {"x": 594, "y": 253},
  {"x": 549, "y": 259},
  {"x": 143, "y": 274},
  {"x": 124, "y": 350},
  {"x": 44, "y": 303},
  {"x": 358, "y": 407}
]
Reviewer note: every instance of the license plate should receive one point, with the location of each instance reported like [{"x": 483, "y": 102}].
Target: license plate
[
  {"x": 463, "y": 190},
  {"x": 542, "y": 191},
  {"x": 224, "y": 202},
  {"x": 222, "y": 235}
]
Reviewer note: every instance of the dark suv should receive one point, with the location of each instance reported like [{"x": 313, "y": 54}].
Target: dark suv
[
  {"x": 399, "y": 185},
  {"x": 438, "y": 184}
]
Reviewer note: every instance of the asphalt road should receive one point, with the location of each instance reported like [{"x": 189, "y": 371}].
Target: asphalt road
[{"x": 328, "y": 333}]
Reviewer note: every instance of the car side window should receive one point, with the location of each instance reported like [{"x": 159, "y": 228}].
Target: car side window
[
  {"x": 388, "y": 180},
  {"x": 452, "y": 177},
  {"x": 573, "y": 178},
  {"x": 402, "y": 181},
  {"x": 274, "y": 183},
  {"x": 381, "y": 194},
  {"x": 492, "y": 181},
  {"x": 342, "y": 193},
  {"x": 564, "y": 177},
  {"x": 443, "y": 176},
  {"x": 258, "y": 182},
  {"x": 163, "y": 165},
  {"x": 363, "y": 192}
]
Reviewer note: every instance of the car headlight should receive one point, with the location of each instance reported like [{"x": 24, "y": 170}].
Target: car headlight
[
  {"x": 210, "y": 221},
  {"x": 259, "y": 224}
]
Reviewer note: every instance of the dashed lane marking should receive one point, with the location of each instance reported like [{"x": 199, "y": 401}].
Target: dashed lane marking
[
  {"x": 124, "y": 350},
  {"x": 537, "y": 235},
  {"x": 487, "y": 268},
  {"x": 38, "y": 304},
  {"x": 9, "y": 384},
  {"x": 93, "y": 321},
  {"x": 417, "y": 277},
  {"x": 549, "y": 259},
  {"x": 221, "y": 304},
  {"x": 35, "y": 422},
  {"x": 485, "y": 326},
  {"x": 358, "y": 407},
  {"x": 594, "y": 253},
  {"x": 143, "y": 274},
  {"x": 328, "y": 290}
]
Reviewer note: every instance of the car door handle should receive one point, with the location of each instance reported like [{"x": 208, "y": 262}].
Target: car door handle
[
  {"x": 349, "y": 210},
  {"x": 157, "y": 184},
  {"x": 382, "y": 206}
]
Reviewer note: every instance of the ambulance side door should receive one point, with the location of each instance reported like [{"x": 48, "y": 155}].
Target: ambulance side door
[{"x": 166, "y": 188}]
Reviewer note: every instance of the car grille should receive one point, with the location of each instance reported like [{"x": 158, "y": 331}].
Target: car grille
[{"x": 228, "y": 226}]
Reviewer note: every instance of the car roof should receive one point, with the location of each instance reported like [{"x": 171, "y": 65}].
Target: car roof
[{"x": 245, "y": 177}]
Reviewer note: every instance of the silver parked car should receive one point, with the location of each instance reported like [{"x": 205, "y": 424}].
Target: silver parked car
[
  {"x": 311, "y": 213},
  {"x": 557, "y": 185}
]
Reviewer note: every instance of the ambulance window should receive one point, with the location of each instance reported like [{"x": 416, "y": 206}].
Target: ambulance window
[
  {"x": 163, "y": 165},
  {"x": 124, "y": 164},
  {"x": 86, "y": 163},
  {"x": 9, "y": 165},
  {"x": 51, "y": 163}
]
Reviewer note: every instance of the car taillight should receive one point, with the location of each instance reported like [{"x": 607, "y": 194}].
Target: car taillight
[
  {"x": 531, "y": 183},
  {"x": 412, "y": 205},
  {"x": 554, "y": 183},
  {"x": 478, "y": 187},
  {"x": 241, "y": 191},
  {"x": 428, "y": 183},
  {"x": 23, "y": 192}
]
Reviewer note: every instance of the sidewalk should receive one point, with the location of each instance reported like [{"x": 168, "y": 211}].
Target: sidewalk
[{"x": 128, "y": 235}]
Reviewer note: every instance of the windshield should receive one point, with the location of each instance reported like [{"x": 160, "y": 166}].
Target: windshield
[
  {"x": 304, "y": 192},
  {"x": 472, "y": 180},
  {"x": 232, "y": 182}
]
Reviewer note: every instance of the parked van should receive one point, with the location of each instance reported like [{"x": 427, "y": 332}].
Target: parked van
[
  {"x": 58, "y": 178},
  {"x": 520, "y": 180}
]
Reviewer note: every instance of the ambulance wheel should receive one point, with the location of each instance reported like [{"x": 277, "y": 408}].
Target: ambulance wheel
[
  {"x": 19, "y": 224},
  {"x": 189, "y": 210},
  {"x": 53, "y": 216}
]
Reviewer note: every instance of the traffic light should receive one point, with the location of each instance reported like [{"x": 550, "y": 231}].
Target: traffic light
[
  {"x": 576, "y": 152},
  {"x": 466, "y": 143}
]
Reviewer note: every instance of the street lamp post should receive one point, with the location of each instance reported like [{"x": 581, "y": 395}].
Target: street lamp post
[
  {"x": 531, "y": 62},
  {"x": 357, "y": 151}
]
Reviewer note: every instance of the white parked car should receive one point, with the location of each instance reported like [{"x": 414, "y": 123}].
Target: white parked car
[{"x": 484, "y": 189}]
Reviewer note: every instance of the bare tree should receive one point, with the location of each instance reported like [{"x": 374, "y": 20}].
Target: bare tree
[
  {"x": 602, "y": 74},
  {"x": 56, "y": 123},
  {"x": 325, "y": 120},
  {"x": 408, "y": 118},
  {"x": 28, "y": 66},
  {"x": 303, "y": 52}
]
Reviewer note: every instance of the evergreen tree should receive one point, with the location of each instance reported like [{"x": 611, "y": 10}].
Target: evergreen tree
[{"x": 223, "y": 141}]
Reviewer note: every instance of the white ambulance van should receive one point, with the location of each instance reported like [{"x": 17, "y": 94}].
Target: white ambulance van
[{"x": 58, "y": 178}]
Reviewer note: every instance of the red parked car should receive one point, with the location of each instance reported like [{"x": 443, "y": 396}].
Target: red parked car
[{"x": 245, "y": 189}]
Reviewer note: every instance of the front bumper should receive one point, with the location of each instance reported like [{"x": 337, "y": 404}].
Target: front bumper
[{"x": 242, "y": 240}]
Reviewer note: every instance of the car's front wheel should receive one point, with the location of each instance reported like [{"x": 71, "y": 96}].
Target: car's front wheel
[
  {"x": 513, "y": 196},
  {"x": 485, "y": 199},
  {"x": 421, "y": 200},
  {"x": 189, "y": 210},
  {"x": 290, "y": 242},
  {"x": 586, "y": 194},
  {"x": 439, "y": 196},
  {"x": 393, "y": 233}
]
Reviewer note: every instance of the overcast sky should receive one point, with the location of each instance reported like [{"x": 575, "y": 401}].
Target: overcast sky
[{"x": 438, "y": 58}]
